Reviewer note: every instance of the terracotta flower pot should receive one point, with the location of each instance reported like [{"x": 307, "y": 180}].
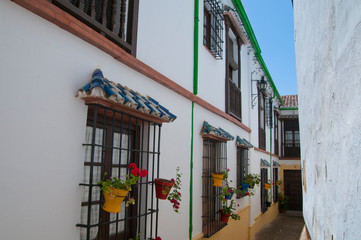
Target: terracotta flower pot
[
  {"x": 267, "y": 186},
  {"x": 217, "y": 179},
  {"x": 162, "y": 187},
  {"x": 114, "y": 199},
  {"x": 224, "y": 217}
]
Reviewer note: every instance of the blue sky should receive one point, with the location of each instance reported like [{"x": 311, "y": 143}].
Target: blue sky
[{"x": 272, "y": 23}]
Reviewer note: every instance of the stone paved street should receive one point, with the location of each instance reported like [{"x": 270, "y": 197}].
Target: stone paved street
[{"x": 287, "y": 226}]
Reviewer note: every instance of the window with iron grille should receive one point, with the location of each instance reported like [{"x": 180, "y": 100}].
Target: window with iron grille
[
  {"x": 261, "y": 122},
  {"x": 117, "y": 20},
  {"x": 275, "y": 188},
  {"x": 213, "y": 27},
  {"x": 114, "y": 140},
  {"x": 214, "y": 160},
  {"x": 233, "y": 70},
  {"x": 242, "y": 166},
  {"x": 264, "y": 179}
]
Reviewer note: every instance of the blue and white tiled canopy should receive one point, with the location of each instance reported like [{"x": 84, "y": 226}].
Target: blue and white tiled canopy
[
  {"x": 241, "y": 142},
  {"x": 276, "y": 164},
  {"x": 265, "y": 163},
  {"x": 208, "y": 129},
  {"x": 103, "y": 88}
]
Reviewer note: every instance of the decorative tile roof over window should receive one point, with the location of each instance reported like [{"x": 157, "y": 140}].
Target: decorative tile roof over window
[
  {"x": 265, "y": 163},
  {"x": 241, "y": 142},
  {"x": 212, "y": 132},
  {"x": 289, "y": 101},
  {"x": 105, "y": 92},
  {"x": 276, "y": 164}
]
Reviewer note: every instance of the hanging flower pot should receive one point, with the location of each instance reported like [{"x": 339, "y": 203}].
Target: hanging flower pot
[
  {"x": 217, "y": 179},
  {"x": 229, "y": 195},
  {"x": 162, "y": 187},
  {"x": 267, "y": 186},
  {"x": 278, "y": 183},
  {"x": 224, "y": 216},
  {"x": 114, "y": 199}
]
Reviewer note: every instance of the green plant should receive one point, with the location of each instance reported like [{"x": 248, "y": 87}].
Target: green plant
[
  {"x": 282, "y": 201},
  {"x": 123, "y": 182},
  {"x": 228, "y": 208},
  {"x": 175, "y": 196},
  {"x": 248, "y": 184}
]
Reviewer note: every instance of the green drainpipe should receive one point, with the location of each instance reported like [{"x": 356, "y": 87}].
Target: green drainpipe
[
  {"x": 271, "y": 145},
  {"x": 195, "y": 91}
]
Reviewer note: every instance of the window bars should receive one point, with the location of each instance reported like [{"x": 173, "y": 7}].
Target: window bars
[
  {"x": 264, "y": 177},
  {"x": 275, "y": 188},
  {"x": 115, "y": 19},
  {"x": 214, "y": 160},
  {"x": 242, "y": 166},
  {"x": 213, "y": 27},
  {"x": 114, "y": 140}
]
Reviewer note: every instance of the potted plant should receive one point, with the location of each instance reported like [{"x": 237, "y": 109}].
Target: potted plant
[
  {"x": 217, "y": 178},
  {"x": 116, "y": 189},
  {"x": 226, "y": 194},
  {"x": 162, "y": 187},
  {"x": 175, "y": 196},
  {"x": 282, "y": 203},
  {"x": 248, "y": 184}
]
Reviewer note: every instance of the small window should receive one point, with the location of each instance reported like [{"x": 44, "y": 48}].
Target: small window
[
  {"x": 114, "y": 140},
  {"x": 117, "y": 20},
  {"x": 242, "y": 166},
  {"x": 213, "y": 27},
  {"x": 214, "y": 160}
]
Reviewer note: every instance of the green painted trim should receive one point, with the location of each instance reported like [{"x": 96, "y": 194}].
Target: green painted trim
[
  {"x": 290, "y": 108},
  {"x": 195, "y": 92},
  {"x": 247, "y": 25}
]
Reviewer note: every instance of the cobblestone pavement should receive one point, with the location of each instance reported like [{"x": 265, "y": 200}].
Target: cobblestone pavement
[{"x": 287, "y": 226}]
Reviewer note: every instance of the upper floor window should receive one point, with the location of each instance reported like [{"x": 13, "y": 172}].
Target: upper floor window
[
  {"x": 117, "y": 20},
  {"x": 276, "y": 141},
  {"x": 291, "y": 145},
  {"x": 213, "y": 27},
  {"x": 233, "y": 69},
  {"x": 261, "y": 122}
]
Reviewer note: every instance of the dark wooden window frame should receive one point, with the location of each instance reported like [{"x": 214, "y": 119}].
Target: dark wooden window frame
[
  {"x": 242, "y": 166},
  {"x": 233, "y": 91},
  {"x": 275, "y": 187},
  {"x": 142, "y": 148},
  {"x": 290, "y": 149},
  {"x": 115, "y": 20},
  {"x": 276, "y": 133},
  {"x": 214, "y": 160},
  {"x": 261, "y": 116}
]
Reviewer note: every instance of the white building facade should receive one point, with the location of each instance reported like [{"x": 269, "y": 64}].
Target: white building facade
[{"x": 64, "y": 125}]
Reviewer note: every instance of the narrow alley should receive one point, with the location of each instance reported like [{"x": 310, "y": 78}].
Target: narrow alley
[{"x": 287, "y": 226}]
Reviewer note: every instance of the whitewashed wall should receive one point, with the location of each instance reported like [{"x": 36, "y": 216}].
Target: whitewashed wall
[
  {"x": 328, "y": 57},
  {"x": 43, "y": 128}
]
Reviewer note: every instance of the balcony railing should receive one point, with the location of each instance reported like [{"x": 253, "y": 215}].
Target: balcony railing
[
  {"x": 235, "y": 100},
  {"x": 292, "y": 150}
]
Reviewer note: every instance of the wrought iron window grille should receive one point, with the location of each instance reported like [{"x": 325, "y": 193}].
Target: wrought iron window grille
[
  {"x": 114, "y": 140},
  {"x": 117, "y": 20},
  {"x": 214, "y": 160},
  {"x": 242, "y": 166},
  {"x": 264, "y": 177},
  {"x": 213, "y": 27}
]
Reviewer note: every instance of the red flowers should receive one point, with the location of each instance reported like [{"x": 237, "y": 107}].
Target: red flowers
[
  {"x": 157, "y": 238},
  {"x": 143, "y": 173},
  {"x": 136, "y": 171}
]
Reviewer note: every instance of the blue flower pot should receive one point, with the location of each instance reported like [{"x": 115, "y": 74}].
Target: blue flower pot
[
  {"x": 244, "y": 186},
  {"x": 229, "y": 195}
]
